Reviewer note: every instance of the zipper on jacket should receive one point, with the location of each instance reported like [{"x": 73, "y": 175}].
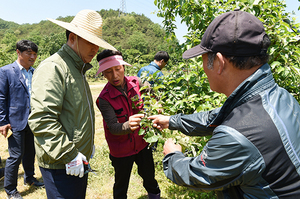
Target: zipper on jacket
[{"x": 87, "y": 97}]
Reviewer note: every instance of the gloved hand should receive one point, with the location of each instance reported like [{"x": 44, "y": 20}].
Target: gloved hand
[{"x": 75, "y": 167}]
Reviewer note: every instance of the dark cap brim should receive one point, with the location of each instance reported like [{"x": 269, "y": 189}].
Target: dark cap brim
[{"x": 194, "y": 52}]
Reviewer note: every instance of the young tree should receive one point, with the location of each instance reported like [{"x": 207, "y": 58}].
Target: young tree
[{"x": 280, "y": 26}]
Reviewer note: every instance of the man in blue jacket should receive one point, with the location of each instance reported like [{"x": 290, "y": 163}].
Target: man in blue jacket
[
  {"x": 15, "y": 90},
  {"x": 254, "y": 151},
  {"x": 161, "y": 59}
]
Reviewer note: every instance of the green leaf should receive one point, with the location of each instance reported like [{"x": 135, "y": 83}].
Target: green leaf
[
  {"x": 275, "y": 64},
  {"x": 141, "y": 131},
  {"x": 151, "y": 139}
]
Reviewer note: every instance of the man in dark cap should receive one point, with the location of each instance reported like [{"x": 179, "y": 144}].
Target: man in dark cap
[{"x": 254, "y": 150}]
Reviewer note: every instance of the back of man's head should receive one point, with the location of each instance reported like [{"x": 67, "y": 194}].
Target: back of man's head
[
  {"x": 24, "y": 45},
  {"x": 233, "y": 34},
  {"x": 162, "y": 55}
]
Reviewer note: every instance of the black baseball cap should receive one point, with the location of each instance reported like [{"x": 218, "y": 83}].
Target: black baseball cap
[{"x": 234, "y": 33}]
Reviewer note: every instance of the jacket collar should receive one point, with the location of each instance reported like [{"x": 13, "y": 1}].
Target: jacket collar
[
  {"x": 154, "y": 65},
  {"x": 31, "y": 69},
  {"x": 260, "y": 80},
  {"x": 79, "y": 64},
  {"x": 17, "y": 71}
]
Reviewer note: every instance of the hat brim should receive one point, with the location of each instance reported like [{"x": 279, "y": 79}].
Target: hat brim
[
  {"x": 194, "y": 52},
  {"x": 83, "y": 34}
]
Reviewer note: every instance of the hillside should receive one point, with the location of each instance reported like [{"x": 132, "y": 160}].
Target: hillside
[{"x": 136, "y": 36}]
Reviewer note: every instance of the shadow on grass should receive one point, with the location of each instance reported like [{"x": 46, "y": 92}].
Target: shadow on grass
[{"x": 29, "y": 189}]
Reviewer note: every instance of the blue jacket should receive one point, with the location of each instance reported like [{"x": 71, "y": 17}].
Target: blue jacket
[
  {"x": 254, "y": 151},
  {"x": 151, "y": 69},
  {"x": 14, "y": 97}
]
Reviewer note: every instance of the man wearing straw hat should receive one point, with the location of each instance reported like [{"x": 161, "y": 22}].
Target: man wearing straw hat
[{"x": 62, "y": 116}]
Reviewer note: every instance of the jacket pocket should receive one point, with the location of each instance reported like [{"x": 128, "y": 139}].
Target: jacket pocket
[{"x": 122, "y": 118}]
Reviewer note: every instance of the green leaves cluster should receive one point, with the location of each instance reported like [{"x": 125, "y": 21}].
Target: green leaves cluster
[
  {"x": 151, "y": 106},
  {"x": 280, "y": 25},
  {"x": 186, "y": 89}
]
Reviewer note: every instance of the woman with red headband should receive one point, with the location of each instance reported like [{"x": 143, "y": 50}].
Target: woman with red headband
[{"x": 121, "y": 125}]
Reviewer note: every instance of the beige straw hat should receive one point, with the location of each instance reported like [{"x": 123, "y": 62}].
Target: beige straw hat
[{"x": 88, "y": 25}]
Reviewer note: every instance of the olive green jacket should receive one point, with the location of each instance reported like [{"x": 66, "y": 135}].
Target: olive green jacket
[{"x": 62, "y": 115}]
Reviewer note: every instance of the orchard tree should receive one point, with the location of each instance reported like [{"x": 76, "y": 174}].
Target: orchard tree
[
  {"x": 280, "y": 26},
  {"x": 186, "y": 89}
]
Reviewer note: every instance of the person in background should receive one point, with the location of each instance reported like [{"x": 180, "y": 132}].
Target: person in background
[
  {"x": 119, "y": 106},
  {"x": 62, "y": 117},
  {"x": 161, "y": 59},
  {"x": 254, "y": 151},
  {"x": 15, "y": 91}
]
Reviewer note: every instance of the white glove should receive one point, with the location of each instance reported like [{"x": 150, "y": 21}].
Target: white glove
[{"x": 75, "y": 167}]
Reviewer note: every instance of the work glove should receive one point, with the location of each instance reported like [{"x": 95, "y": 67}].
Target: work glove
[{"x": 75, "y": 167}]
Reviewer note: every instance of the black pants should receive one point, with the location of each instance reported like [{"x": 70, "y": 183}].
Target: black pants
[
  {"x": 59, "y": 185},
  {"x": 123, "y": 167},
  {"x": 21, "y": 149}
]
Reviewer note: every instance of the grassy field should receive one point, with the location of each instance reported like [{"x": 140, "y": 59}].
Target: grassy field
[{"x": 100, "y": 185}]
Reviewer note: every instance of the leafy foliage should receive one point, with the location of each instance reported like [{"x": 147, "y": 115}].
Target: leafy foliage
[
  {"x": 186, "y": 90},
  {"x": 280, "y": 26}
]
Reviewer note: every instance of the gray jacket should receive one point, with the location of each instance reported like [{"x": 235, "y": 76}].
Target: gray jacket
[{"x": 254, "y": 151}]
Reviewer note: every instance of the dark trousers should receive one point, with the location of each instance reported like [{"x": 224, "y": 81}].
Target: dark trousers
[
  {"x": 123, "y": 167},
  {"x": 21, "y": 149},
  {"x": 60, "y": 185}
]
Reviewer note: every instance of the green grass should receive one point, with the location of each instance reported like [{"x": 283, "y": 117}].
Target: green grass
[{"x": 100, "y": 185}]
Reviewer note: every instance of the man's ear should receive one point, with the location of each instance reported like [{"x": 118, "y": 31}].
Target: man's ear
[
  {"x": 221, "y": 63},
  {"x": 18, "y": 52},
  {"x": 72, "y": 42},
  {"x": 72, "y": 37},
  {"x": 161, "y": 61}
]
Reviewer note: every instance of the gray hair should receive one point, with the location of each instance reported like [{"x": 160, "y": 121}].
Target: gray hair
[{"x": 211, "y": 57}]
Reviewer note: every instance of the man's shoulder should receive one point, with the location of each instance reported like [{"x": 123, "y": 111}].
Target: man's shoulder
[
  {"x": 9, "y": 70},
  {"x": 52, "y": 58},
  {"x": 149, "y": 68},
  {"x": 54, "y": 61},
  {"x": 8, "y": 66},
  {"x": 144, "y": 68}
]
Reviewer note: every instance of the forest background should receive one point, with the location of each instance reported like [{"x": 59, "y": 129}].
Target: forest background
[{"x": 185, "y": 88}]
